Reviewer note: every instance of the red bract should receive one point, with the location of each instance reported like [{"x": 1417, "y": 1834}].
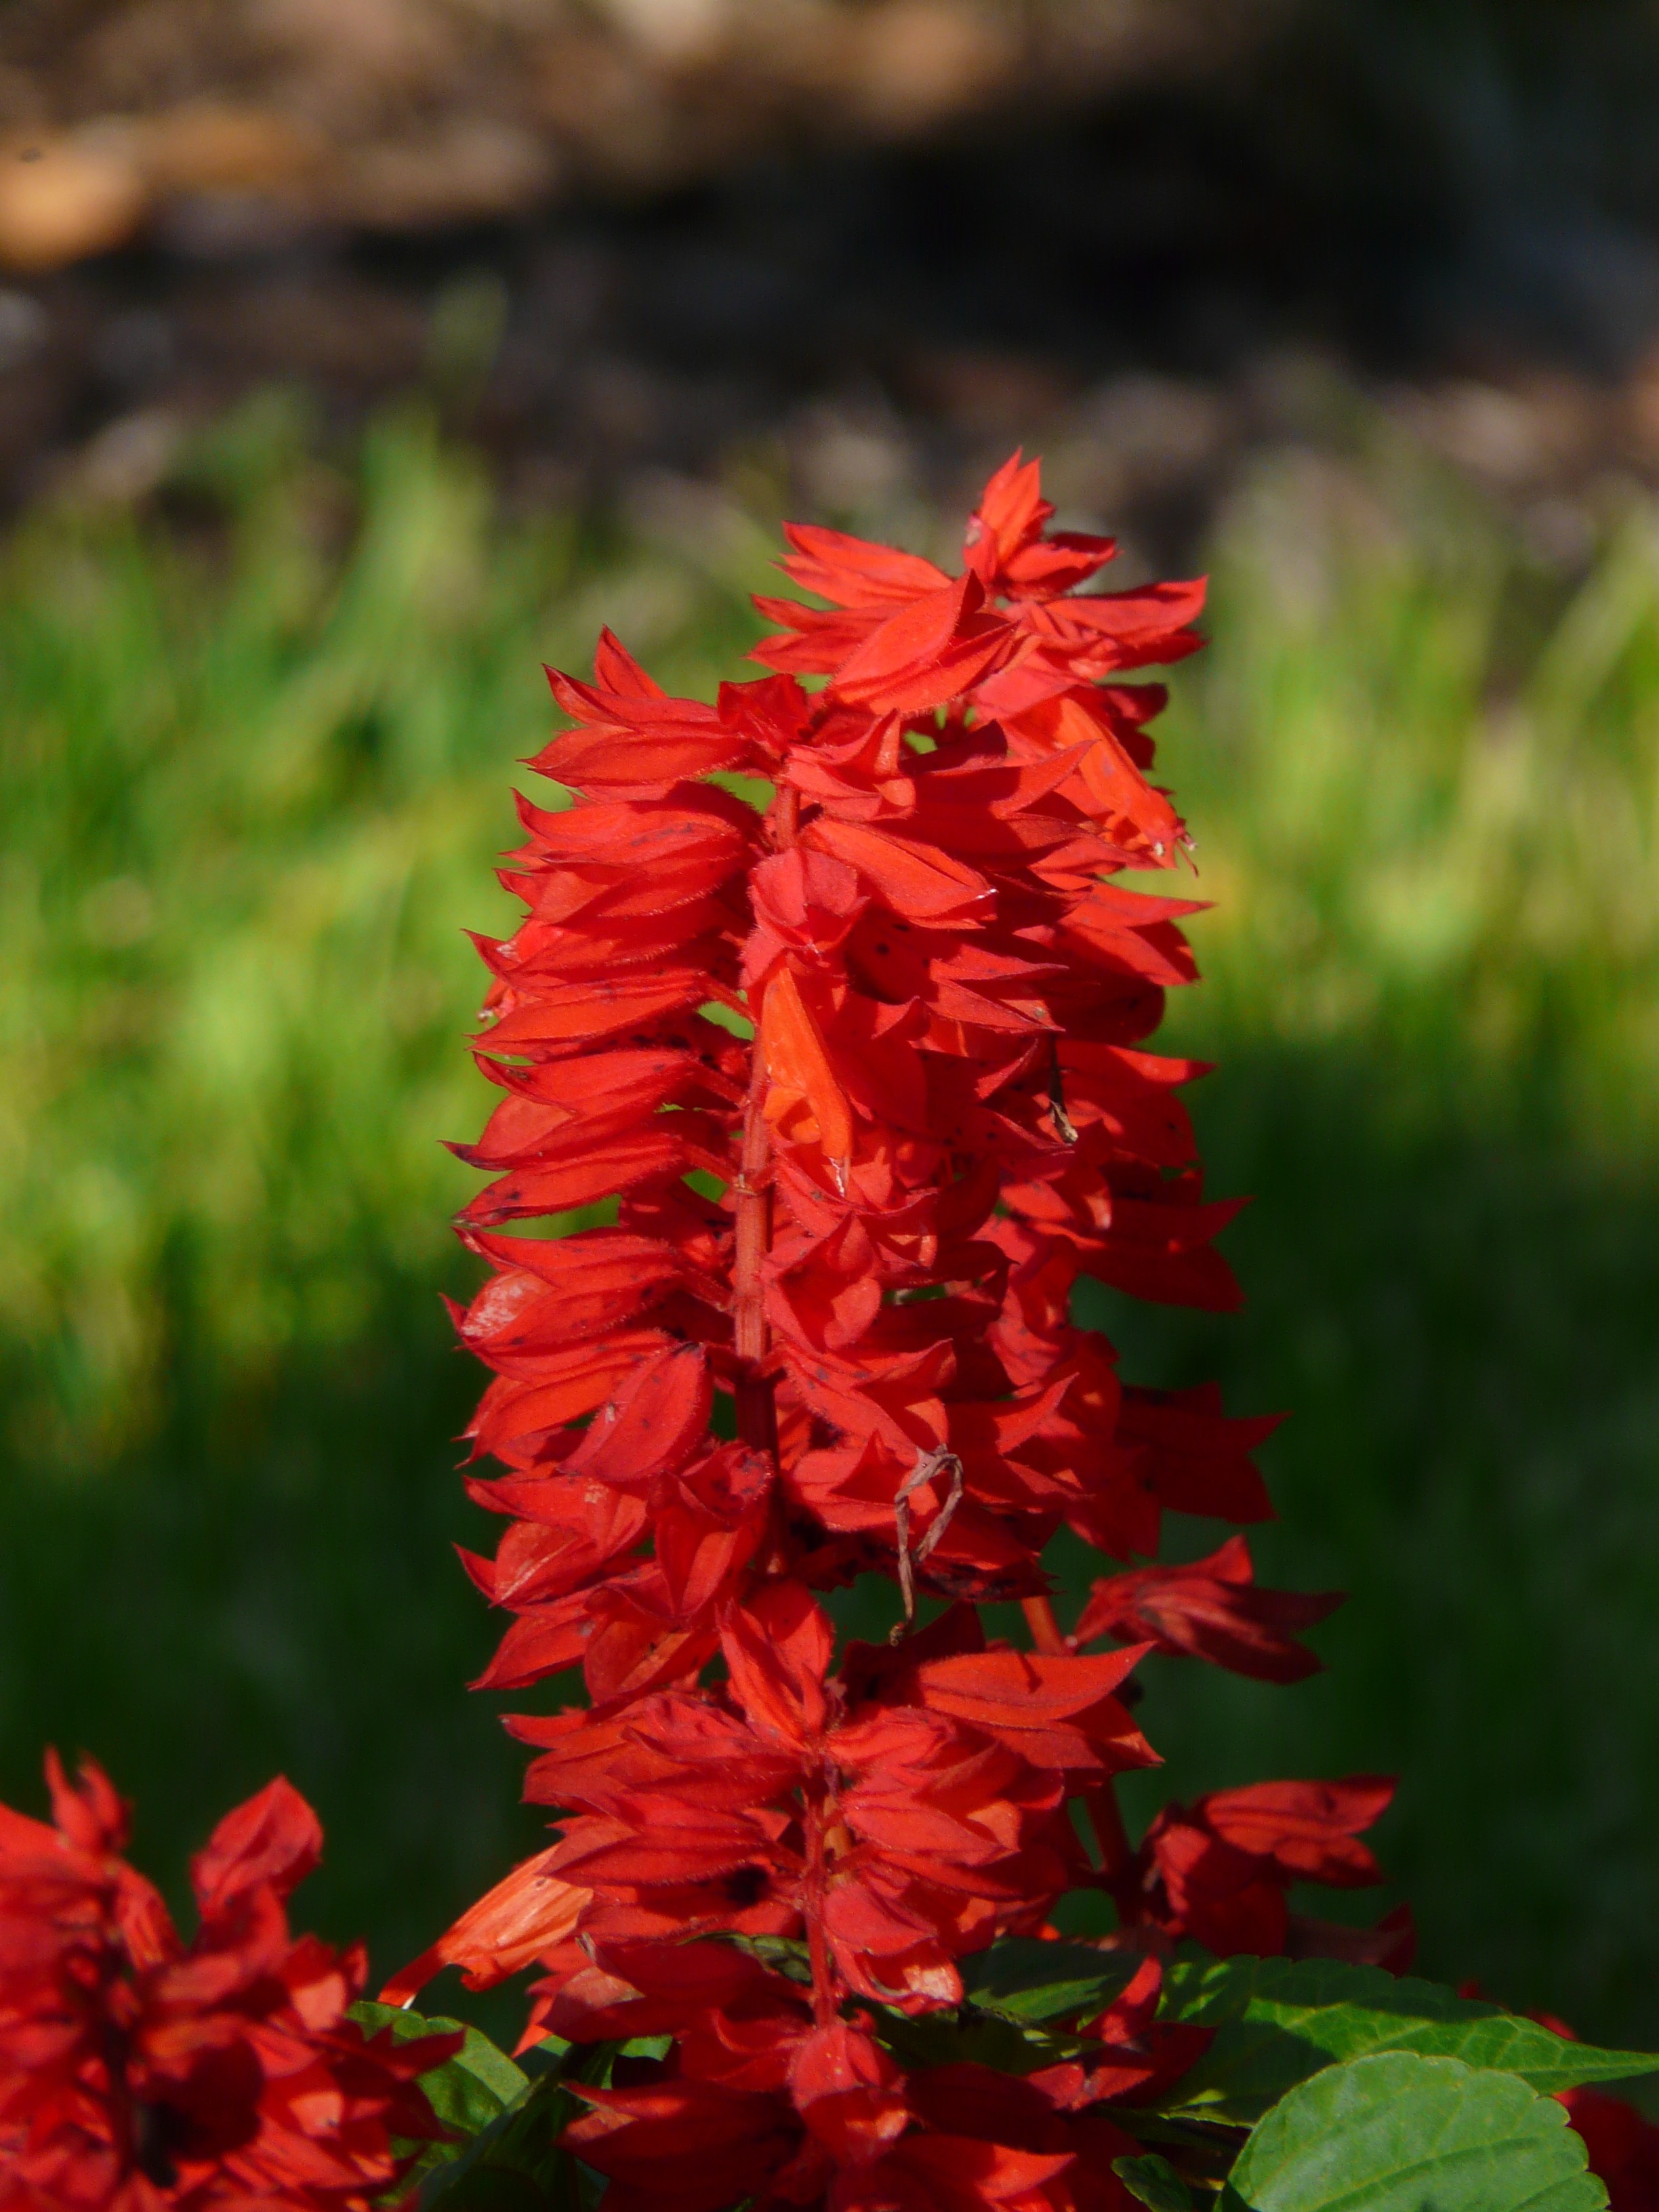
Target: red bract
[
  {"x": 863, "y": 1076},
  {"x": 897, "y": 1835},
  {"x": 770, "y": 2108},
  {"x": 1210, "y": 1609},
  {"x": 139, "y": 2071},
  {"x": 1219, "y": 1872}
]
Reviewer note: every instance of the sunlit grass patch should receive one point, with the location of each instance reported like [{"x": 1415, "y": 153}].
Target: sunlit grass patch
[{"x": 258, "y": 764}]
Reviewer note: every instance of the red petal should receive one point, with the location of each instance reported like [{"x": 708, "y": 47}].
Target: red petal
[
  {"x": 274, "y": 1840},
  {"x": 529, "y": 1912},
  {"x": 918, "y": 881}
]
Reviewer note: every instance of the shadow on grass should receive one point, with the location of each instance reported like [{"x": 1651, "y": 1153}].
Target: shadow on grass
[
  {"x": 1464, "y": 1327},
  {"x": 271, "y": 1588}
]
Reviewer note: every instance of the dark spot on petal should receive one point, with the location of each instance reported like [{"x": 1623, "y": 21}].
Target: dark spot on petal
[{"x": 158, "y": 2133}]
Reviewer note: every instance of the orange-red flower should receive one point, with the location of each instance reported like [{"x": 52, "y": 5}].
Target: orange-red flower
[{"x": 139, "y": 2071}]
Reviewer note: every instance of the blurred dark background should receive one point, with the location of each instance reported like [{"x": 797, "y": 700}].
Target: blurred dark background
[{"x": 356, "y": 358}]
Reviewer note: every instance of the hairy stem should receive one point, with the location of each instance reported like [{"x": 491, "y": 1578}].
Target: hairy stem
[
  {"x": 817, "y": 1945},
  {"x": 1116, "y": 1852},
  {"x": 1045, "y": 1629},
  {"x": 757, "y": 1394}
]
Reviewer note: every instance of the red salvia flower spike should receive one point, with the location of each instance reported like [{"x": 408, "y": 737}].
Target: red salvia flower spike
[{"x": 848, "y": 1226}]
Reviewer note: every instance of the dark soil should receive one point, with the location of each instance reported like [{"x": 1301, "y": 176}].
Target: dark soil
[{"x": 1166, "y": 279}]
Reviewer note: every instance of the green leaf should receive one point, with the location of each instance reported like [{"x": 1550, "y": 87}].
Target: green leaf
[
  {"x": 1026, "y": 1980},
  {"x": 781, "y": 1953},
  {"x": 1396, "y": 2133},
  {"x": 980, "y": 2038},
  {"x": 516, "y": 2165},
  {"x": 1016, "y": 1999},
  {"x": 1152, "y": 2181},
  {"x": 1278, "y": 2020},
  {"x": 468, "y": 2091}
]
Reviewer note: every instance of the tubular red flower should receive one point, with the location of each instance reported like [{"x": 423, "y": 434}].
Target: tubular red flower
[
  {"x": 139, "y": 2071},
  {"x": 1219, "y": 1872},
  {"x": 1210, "y": 1609},
  {"x": 827, "y": 2117},
  {"x": 864, "y": 1077}
]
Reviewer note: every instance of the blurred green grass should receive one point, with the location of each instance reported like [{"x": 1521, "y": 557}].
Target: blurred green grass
[{"x": 258, "y": 756}]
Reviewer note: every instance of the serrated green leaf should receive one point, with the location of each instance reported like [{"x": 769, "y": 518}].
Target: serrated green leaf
[
  {"x": 468, "y": 2091},
  {"x": 516, "y": 2165},
  {"x": 467, "y": 2094},
  {"x": 1152, "y": 2181},
  {"x": 1026, "y": 1980},
  {"x": 1397, "y": 2133},
  {"x": 1279, "y": 2020}
]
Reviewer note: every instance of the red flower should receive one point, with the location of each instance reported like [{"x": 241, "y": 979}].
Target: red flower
[
  {"x": 831, "y": 2119},
  {"x": 1212, "y": 1610},
  {"x": 1133, "y": 2056},
  {"x": 528, "y": 1914},
  {"x": 1219, "y": 1871},
  {"x": 1623, "y": 2147},
  {"x": 139, "y": 2071},
  {"x": 894, "y": 1838},
  {"x": 864, "y": 1077},
  {"x": 772, "y": 2108}
]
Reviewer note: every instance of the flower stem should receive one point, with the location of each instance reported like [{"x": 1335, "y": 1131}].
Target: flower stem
[
  {"x": 1045, "y": 1629},
  {"x": 756, "y": 1408},
  {"x": 817, "y": 1944},
  {"x": 1101, "y": 1797}
]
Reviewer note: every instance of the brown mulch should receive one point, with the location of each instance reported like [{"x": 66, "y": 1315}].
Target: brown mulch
[
  {"x": 235, "y": 121},
  {"x": 623, "y": 244}
]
